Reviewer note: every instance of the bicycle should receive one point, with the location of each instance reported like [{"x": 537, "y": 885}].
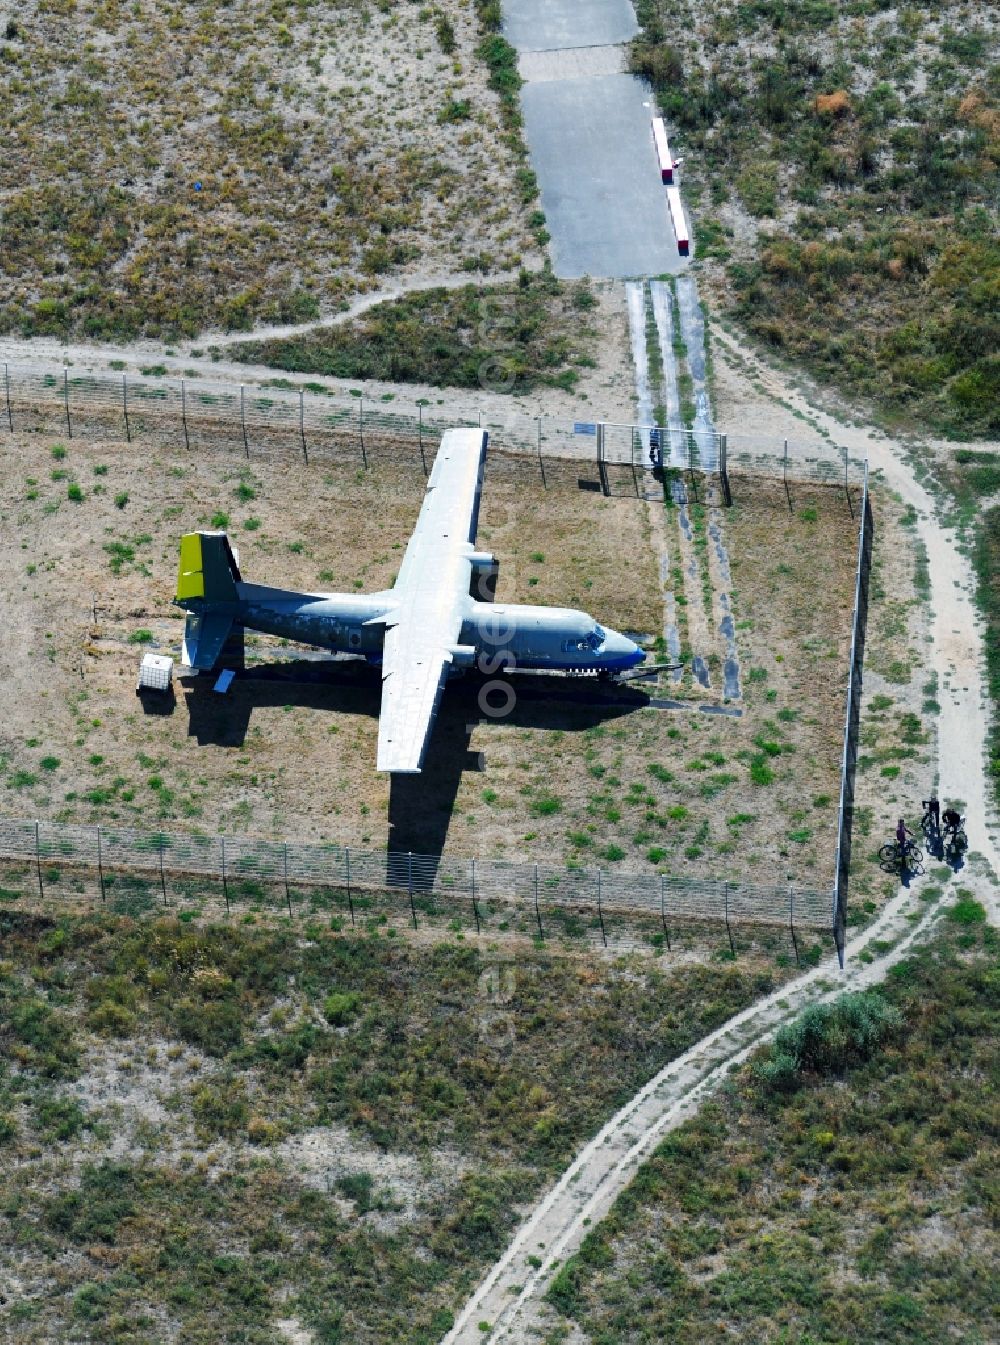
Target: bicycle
[{"x": 892, "y": 856}]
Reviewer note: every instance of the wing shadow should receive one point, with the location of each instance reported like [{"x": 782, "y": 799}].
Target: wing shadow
[{"x": 420, "y": 806}]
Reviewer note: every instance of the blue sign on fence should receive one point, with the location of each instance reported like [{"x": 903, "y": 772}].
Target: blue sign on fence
[{"x": 584, "y": 427}]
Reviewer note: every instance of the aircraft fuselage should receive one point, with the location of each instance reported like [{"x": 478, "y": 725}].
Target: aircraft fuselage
[{"x": 503, "y": 635}]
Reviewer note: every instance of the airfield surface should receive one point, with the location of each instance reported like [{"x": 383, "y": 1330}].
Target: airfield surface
[{"x": 572, "y": 774}]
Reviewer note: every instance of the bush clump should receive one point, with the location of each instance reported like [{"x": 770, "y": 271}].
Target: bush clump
[
  {"x": 340, "y": 1007},
  {"x": 828, "y": 1038}
]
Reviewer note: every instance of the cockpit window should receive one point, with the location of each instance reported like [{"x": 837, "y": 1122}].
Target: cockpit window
[{"x": 596, "y": 638}]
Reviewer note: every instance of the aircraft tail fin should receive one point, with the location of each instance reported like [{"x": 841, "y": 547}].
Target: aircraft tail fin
[{"x": 208, "y": 568}]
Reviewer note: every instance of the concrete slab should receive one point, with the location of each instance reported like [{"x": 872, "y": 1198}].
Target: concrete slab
[
  {"x": 592, "y": 148},
  {"x": 572, "y": 62},
  {"x": 541, "y": 25}
]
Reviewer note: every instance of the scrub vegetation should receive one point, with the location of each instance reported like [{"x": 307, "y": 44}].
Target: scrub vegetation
[
  {"x": 509, "y": 338},
  {"x": 842, "y": 1187},
  {"x": 173, "y": 168},
  {"x": 224, "y": 1133},
  {"x": 861, "y": 141}
]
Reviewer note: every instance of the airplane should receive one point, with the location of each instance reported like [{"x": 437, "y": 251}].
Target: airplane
[{"x": 428, "y": 625}]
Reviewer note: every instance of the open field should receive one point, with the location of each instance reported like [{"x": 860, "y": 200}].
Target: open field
[
  {"x": 841, "y": 163},
  {"x": 91, "y": 528},
  {"x": 842, "y": 1188},
  {"x": 170, "y": 169},
  {"x": 303, "y": 1136}
]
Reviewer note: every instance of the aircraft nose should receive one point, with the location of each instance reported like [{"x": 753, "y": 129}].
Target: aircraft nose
[{"x": 625, "y": 652}]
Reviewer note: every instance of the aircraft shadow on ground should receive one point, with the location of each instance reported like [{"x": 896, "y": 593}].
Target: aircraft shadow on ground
[{"x": 420, "y": 806}]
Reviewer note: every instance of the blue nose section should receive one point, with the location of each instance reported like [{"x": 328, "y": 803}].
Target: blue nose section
[{"x": 620, "y": 652}]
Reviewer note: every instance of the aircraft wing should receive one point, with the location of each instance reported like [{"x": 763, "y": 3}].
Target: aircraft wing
[
  {"x": 423, "y": 628},
  {"x": 412, "y": 682}
]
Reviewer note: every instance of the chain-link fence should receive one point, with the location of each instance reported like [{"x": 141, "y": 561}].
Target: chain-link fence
[
  {"x": 257, "y": 421},
  {"x": 241, "y": 869},
  {"x": 849, "y": 762}
]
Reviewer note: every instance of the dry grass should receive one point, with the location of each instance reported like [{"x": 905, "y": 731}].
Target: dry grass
[{"x": 168, "y": 169}]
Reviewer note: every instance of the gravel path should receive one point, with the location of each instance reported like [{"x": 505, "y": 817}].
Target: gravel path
[{"x": 511, "y": 1297}]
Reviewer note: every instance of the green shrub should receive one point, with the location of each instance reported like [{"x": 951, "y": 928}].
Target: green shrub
[
  {"x": 359, "y": 1187},
  {"x": 340, "y": 1007},
  {"x": 59, "y": 1118},
  {"x": 967, "y": 911},
  {"x": 220, "y": 1108},
  {"x": 828, "y": 1038},
  {"x": 46, "y": 1036}
]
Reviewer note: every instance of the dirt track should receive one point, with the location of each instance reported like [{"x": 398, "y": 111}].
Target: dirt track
[{"x": 511, "y": 1297}]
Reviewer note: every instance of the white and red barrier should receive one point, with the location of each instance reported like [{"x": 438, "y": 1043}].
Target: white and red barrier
[
  {"x": 678, "y": 220},
  {"x": 665, "y": 158}
]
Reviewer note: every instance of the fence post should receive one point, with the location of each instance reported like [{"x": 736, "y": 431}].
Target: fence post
[
  {"x": 475, "y": 906},
  {"x": 729, "y": 931},
  {"x": 420, "y": 436},
  {"x": 225, "y": 880},
  {"x": 38, "y": 862},
  {"x": 784, "y": 477},
  {"x": 602, "y": 470},
  {"x": 350, "y": 899},
  {"x": 69, "y": 423},
  {"x": 243, "y": 422},
  {"x": 100, "y": 864},
  {"x": 163, "y": 880},
  {"x": 288, "y": 894},
  {"x": 361, "y": 430},
  {"x": 409, "y": 884},
  {"x": 184, "y": 415},
  {"x": 6, "y": 385},
  {"x": 541, "y": 460},
  {"x": 847, "y": 487},
  {"x": 538, "y": 915},
  {"x": 302, "y": 424},
  {"x": 600, "y": 912},
  {"x": 727, "y": 496},
  {"x": 663, "y": 908},
  {"x": 791, "y": 923},
  {"x": 128, "y": 427}
]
